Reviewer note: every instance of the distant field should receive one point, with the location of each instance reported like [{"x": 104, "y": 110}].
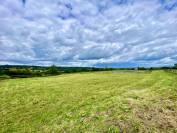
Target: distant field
[{"x": 114, "y": 101}]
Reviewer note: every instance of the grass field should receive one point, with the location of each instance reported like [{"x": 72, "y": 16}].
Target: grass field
[{"x": 114, "y": 101}]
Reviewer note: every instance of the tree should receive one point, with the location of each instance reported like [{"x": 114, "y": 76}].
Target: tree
[
  {"x": 175, "y": 65},
  {"x": 52, "y": 70}
]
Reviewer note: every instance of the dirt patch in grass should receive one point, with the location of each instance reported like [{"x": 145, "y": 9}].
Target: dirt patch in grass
[
  {"x": 118, "y": 120},
  {"x": 162, "y": 117},
  {"x": 123, "y": 126}
]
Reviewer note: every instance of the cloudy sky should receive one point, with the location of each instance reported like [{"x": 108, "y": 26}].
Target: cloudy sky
[{"x": 101, "y": 33}]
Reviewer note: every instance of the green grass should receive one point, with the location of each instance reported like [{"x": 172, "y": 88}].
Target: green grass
[{"x": 114, "y": 101}]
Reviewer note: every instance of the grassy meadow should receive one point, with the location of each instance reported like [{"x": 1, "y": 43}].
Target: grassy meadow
[{"x": 103, "y": 102}]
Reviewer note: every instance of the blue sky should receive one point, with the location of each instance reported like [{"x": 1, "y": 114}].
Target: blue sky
[{"x": 111, "y": 33}]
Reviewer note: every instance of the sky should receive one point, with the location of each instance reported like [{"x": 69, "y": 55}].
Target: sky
[{"x": 95, "y": 33}]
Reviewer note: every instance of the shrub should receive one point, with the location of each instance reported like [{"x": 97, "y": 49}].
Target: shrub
[
  {"x": 53, "y": 70},
  {"x": 4, "y": 77},
  {"x": 175, "y": 66}
]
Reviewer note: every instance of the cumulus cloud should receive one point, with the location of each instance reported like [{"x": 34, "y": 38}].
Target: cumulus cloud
[{"x": 113, "y": 33}]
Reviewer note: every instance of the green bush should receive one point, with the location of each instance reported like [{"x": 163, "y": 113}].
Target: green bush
[
  {"x": 4, "y": 77},
  {"x": 175, "y": 66},
  {"x": 53, "y": 70}
]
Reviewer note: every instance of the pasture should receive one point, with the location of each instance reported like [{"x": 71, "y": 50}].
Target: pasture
[{"x": 110, "y": 101}]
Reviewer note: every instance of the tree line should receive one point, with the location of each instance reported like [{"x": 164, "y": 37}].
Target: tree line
[
  {"x": 21, "y": 71},
  {"x": 11, "y": 71}
]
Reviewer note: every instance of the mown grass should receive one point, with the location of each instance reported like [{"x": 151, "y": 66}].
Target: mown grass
[{"x": 114, "y": 101}]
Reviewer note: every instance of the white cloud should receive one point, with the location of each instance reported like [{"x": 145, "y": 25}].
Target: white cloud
[{"x": 87, "y": 33}]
